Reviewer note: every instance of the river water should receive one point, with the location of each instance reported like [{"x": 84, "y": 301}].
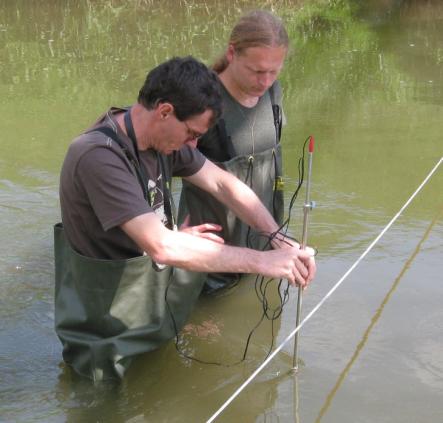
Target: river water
[{"x": 368, "y": 84}]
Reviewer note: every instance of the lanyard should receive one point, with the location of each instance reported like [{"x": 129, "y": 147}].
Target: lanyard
[{"x": 168, "y": 204}]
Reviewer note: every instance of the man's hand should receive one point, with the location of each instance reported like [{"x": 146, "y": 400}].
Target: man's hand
[
  {"x": 202, "y": 230},
  {"x": 291, "y": 263},
  {"x": 282, "y": 241},
  {"x": 279, "y": 240}
]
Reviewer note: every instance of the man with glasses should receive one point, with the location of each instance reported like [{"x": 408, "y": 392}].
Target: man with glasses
[{"x": 126, "y": 278}]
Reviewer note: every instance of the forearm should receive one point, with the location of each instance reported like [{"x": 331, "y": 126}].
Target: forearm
[
  {"x": 245, "y": 204},
  {"x": 202, "y": 255},
  {"x": 181, "y": 249},
  {"x": 199, "y": 254},
  {"x": 237, "y": 196},
  {"x": 248, "y": 207}
]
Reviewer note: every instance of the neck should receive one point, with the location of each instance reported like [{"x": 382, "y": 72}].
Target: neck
[
  {"x": 140, "y": 122},
  {"x": 236, "y": 91}
]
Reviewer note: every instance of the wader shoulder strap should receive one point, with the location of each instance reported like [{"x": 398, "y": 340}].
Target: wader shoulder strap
[
  {"x": 131, "y": 135},
  {"x": 278, "y": 122},
  {"x": 276, "y": 111},
  {"x": 224, "y": 138},
  {"x": 169, "y": 204},
  {"x": 141, "y": 174}
]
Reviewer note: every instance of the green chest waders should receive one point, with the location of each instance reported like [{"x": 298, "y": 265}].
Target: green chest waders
[
  {"x": 108, "y": 311},
  {"x": 262, "y": 173}
]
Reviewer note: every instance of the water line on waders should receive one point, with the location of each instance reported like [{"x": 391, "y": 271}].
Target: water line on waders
[
  {"x": 307, "y": 207},
  {"x": 323, "y": 300}
]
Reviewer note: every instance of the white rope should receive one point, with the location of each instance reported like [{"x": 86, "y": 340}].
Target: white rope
[{"x": 314, "y": 310}]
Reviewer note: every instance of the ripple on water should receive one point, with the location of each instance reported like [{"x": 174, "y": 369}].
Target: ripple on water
[{"x": 427, "y": 358}]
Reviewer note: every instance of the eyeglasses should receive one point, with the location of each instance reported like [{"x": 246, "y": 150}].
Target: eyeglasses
[{"x": 192, "y": 134}]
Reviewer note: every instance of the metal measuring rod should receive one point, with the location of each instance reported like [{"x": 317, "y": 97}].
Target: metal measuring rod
[{"x": 308, "y": 206}]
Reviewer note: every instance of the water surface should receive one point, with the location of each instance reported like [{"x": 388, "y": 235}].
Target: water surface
[{"x": 367, "y": 84}]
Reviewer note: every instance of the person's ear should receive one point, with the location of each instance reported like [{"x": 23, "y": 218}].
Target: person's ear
[
  {"x": 165, "y": 110},
  {"x": 230, "y": 52}
]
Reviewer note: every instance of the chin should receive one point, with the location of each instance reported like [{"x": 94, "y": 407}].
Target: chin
[{"x": 258, "y": 92}]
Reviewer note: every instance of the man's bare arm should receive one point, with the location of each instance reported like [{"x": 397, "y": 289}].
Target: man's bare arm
[
  {"x": 237, "y": 196},
  {"x": 199, "y": 254}
]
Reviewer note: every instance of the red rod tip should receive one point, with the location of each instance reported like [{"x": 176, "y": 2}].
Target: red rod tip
[{"x": 311, "y": 144}]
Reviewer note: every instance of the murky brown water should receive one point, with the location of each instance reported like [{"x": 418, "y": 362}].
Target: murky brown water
[{"x": 369, "y": 86}]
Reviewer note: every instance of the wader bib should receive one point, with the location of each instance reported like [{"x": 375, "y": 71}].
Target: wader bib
[
  {"x": 108, "y": 311},
  {"x": 262, "y": 172}
]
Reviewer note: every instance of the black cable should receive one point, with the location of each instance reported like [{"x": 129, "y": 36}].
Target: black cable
[{"x": 261, "y": 284}]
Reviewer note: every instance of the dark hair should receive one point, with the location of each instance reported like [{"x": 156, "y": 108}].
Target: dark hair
[
  {"x": 187, "y": 84},
  {"x": 257, "y": 28}
]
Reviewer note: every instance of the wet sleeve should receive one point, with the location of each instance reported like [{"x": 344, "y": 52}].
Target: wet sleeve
[{"x": 112, "y": 189}]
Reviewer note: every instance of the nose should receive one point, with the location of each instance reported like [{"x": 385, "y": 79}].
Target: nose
[
  {"x": 266, "y": 80},
  {"x": 192, "y": 143}
]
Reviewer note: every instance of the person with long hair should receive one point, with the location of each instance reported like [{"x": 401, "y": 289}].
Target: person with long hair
[{"x": 246, "y": 139}]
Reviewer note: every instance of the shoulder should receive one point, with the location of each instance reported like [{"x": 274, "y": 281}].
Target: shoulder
[
  {"x": 187, "y": 161},
  {"x": 93, "y": 138},
  {"x": 95, "y": 142},
  {"x": 93, "y": 152},
  {"x": 276, "y": 93}
]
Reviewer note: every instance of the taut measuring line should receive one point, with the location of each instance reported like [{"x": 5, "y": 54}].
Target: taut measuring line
[
  {"x": 322, "y": 301},
  {"x": 308, "y": 206}
]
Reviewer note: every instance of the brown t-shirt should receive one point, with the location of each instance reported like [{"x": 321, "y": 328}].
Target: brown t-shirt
[{"x": 99, "y": 190}]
